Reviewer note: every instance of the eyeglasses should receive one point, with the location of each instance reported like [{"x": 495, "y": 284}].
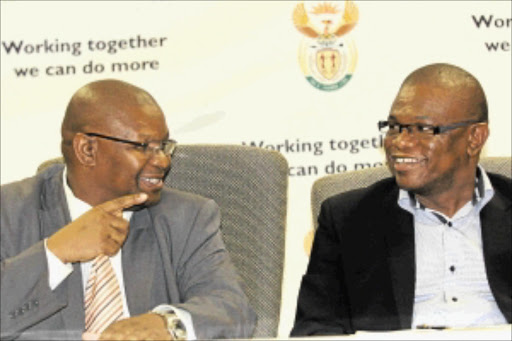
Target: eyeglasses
[
  {"x": 165, "y": 146},
  {"x": 422, "y": 130}
]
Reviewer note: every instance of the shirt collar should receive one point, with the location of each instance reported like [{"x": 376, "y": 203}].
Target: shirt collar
[{"x": 482, "y": 195}]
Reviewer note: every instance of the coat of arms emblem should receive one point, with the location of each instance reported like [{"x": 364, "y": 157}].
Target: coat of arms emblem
[{"x": 327, "y": 56}]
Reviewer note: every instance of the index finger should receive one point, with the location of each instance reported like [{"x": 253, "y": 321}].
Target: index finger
[{"x": 127, "y": 201}]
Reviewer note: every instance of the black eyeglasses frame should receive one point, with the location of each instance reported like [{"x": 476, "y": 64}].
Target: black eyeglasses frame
[
  {"x": 143, "y": 145},
  {"x": 436, "y": 130}
]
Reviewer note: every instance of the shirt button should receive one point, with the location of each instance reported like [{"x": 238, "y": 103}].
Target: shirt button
[
  {"x": 454, "y": 299},
  {"x": 449, "y": 224},
  {"x": 452, "y": 268}
]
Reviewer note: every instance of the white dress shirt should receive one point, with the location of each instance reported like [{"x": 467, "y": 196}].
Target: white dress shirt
[{"x": 59, "y": 271}]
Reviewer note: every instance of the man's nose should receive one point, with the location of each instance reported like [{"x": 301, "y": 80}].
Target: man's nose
[
  {"x": 160, "y": 159},
  {"x": 405, "y": 138}
]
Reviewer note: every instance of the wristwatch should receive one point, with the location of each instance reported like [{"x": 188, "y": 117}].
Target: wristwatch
[{"x": 174, "y": 325}]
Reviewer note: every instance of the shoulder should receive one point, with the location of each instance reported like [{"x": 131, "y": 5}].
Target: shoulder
[
  {"x": 185, "y": 218},
  {"x": 21, "y": 204},
  {"x": 179, "y": 198},
  {"x": 181, "y": 205},
  {"x": 501, "y": 184},
  {"x": 28, "y": 190}
]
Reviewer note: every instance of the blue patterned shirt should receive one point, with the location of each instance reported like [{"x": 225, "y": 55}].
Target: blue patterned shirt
[{"x": 451, "y": 287}]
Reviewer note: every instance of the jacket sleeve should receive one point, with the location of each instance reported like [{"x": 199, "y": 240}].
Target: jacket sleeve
[
  {"x": 208, "y": 283},
  {"x": 322, "y": 307},
  {"x": 25, "y": 293}
]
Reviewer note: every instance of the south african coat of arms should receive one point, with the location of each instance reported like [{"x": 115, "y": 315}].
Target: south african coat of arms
[{"x": 327, "y": 56}]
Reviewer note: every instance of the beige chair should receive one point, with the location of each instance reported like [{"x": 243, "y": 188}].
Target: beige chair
[
  {"x": 330, "y": 185},
  {"x": 250, "y": 186}
]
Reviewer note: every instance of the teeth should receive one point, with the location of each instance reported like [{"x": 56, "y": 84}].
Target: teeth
[
  {"x": 153, "y": 181},
  {"x": 406, "y": 160}
]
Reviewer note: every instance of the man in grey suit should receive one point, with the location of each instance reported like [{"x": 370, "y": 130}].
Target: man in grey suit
[{"x": 175, "y": 275}]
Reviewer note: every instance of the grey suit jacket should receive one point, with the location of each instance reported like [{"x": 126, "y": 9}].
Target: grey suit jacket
[{"x": 174, "y": 254}]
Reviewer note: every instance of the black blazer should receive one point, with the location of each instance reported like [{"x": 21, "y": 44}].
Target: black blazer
[{"x": 361, "y": 275}]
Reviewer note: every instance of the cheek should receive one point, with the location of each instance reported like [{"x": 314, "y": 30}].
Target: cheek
[
  {"x": 446, "y": 157},
  {"x": 451, "y": 147},
  {"x": 127, "y": 169},
  {"x": 388, "y": 143}
]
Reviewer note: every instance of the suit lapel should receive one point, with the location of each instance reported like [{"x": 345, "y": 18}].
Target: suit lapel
[
  {"x": 138, "y": 259},
  {"x": 496, "y": 220},
  {"x": 53, "y": 215},
  {"x": 54, "y": 212},
  {"x": 399, "y": 238},
  {"x": 149, "y": 274}
]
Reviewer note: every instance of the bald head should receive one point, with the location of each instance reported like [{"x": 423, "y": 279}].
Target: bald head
[
  {"x": 453, "y": 81},
  {"x": 102, "y": 101},
  {"x": 103, "y": 106}
]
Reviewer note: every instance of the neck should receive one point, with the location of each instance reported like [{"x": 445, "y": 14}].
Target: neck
[
  {"x": 448, "y": 203},
  {"x": 449, "y": 194},
  {"x": 76, "y": 183},
  {"x": 450, "y": 199}
]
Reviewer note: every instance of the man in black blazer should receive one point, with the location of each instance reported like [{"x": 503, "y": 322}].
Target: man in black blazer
[{"x": 430, "y": 246}]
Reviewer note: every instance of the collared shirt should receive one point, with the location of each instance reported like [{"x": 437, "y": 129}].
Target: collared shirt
[
  {"x": 452, "y": 288},
  {"x": 59, "y": 271}
]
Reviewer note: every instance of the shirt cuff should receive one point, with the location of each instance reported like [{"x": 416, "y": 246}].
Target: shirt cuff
[
  {"x": 185, "y": 318},
  {"x": 57, "y": 270}
]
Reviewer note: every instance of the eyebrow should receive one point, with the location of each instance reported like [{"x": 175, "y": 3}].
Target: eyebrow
[
  {"x": 392, "y": 117},
  {"x": 147, "y": 137}
]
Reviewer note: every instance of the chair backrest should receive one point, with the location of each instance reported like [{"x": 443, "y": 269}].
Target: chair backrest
[
  {"x": 330, "y": 185},
  {"x": 250, "y": 186}
]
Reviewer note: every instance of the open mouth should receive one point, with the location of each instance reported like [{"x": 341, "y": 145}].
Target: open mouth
[
  {"x": 408, "y": 160},
  {"x": 152, "y": 182},
  {"x": 405, "y": 163}
]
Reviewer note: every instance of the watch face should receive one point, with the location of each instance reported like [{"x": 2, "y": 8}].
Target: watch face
[
  {"x": 175, "y": 326},
  {"x": 180, "y": 334}
]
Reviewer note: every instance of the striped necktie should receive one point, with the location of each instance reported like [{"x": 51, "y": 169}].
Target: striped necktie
[{"x": 103, "y": 301}]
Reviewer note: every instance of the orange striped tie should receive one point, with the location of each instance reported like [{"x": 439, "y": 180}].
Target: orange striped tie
[{"x": 103, "y": 301}]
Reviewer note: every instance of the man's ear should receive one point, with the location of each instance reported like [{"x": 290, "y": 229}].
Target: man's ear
[
  {"x": 478, "y": 134},
  {"x": 85, "y": 149}
]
